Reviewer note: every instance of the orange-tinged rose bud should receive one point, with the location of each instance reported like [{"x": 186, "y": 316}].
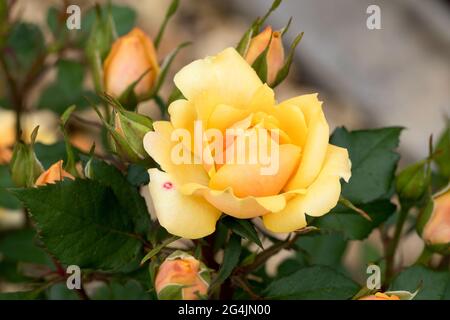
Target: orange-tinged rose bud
[
  {"x": 275, "y": 55},
  {"x": 5, "y": 155},
  {"x": 391, "y": 295},
  {"x": 54, "y": 174},
  {"x": 437, "y": 229},
  {"x": 181, "y": 277},
  {"x": 380, "y": 296},
  {"x": 130, "y": 57}
]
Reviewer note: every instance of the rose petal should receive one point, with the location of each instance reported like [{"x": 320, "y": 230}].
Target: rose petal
[
  {"x": 319, "y": 198},
  {"x": 190, "y": 217},
  {"x": 314, "y": 150},
  {"x": 227, "y": 76},
  {"x": 159, "y": 146}
]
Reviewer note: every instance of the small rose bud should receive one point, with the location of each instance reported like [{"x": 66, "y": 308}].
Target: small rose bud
[
  {"x": 390, "y": 295},
  {"x": 182, "y": 277},
  {"x": 25, "y": 166},
  {"x": 436, "y": 230},
  {"x": 5, "y": 155},
  {"x": 131, "y": 56},
  {"x": 413, "y": 181},
  {"x": 275, "y": 54},
  {"x": 129, "y": 131},
  {"x": 54, "y": 174}
]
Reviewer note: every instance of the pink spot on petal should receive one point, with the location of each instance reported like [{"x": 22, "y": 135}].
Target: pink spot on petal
[{"x": 168, "y": 185}]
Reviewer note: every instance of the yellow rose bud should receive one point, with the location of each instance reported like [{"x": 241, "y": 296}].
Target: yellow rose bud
[
  {"x": 130, "y": 57},
  {"x": 181, "y": 277},
  {"x": 380, "y": 296},
  {"x": 222, "y": 93},
  {"x": 54, "y": 174},
  {"x": 130, "y": 129},
  {"x": 437, "y": 229},
  {"x": 25, "y": 166},
  {"x": 275, "y": 54},
  {"x": 390, "y": 295}
]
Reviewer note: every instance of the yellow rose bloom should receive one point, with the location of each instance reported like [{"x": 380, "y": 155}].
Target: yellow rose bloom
[{"x": 224, "y": 92}]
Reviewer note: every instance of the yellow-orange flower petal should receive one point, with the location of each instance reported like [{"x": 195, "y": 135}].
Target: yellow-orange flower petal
[
  {"x": 159, "y": 146},
  {"x": 226, "y": 76},
  {"x": 314, "y": 150},
  {"x": 189, "y": 217},
  {"x": 247, "y": 180},
  {"x": 242, "y": 208},
  {"x": 54, "y": 174},
  {"x": 319, "y": 198}
]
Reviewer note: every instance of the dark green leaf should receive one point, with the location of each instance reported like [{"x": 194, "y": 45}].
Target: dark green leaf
[
  {"x": 230, "y": 260},
  {"x": 290, "y": 266},
  {"x": 52, "y": 20},
  {"x": 124, "y": 20},
  {"x": 322, "y": 249},
  {"x": 243, "y": 228},
  {"x": 84, "y": 223},
  {"x": 353, "y": 226},
  {"x": 49, "y": 154},
  {"x": 60, "y": 292},
  {"x": 127, "y": 194},
  {"x": 10, "y": 272},
  {"x": 56, "y": 22},
  {"x": 317, "y": 282},
  {"x": 432, "y": 285},
  {"x": 130, "y": 290},
  {"x": 23, "y": 295},
  {"x": 26, "y": 43},
  {"x": 174, "y": 95},
  {"x": 7, "y": 200},
  {"x": 373, "y": 162},
  {"x": 21, "y": 246},
  {"x": 137, "y": 175},
  {"x": 67, "y": 89}
]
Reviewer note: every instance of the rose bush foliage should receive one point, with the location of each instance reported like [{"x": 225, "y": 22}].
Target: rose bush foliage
[{"x": 142, "y": 225}]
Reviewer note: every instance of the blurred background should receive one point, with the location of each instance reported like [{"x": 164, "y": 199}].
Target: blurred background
[{"x": 396, "y": 76}]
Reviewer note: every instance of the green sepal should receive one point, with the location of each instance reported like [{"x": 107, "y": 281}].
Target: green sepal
[
  {"x": 169, "y": 13},
  {"x": 24, "y": 166},
  {"x": 413, "y": 182}
]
